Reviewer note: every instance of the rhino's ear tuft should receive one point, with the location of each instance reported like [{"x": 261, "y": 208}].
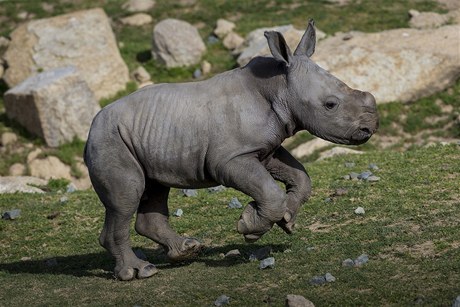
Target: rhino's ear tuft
[
  {"x": 308, "y": 42},
  {"x": 278, "y": 47}
]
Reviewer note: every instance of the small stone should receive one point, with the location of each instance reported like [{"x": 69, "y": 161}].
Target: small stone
[
  {"x": 138, "y": 5},
  {"x": 22, "y": 15},
  {"x": 63, "y": 199},
  {"x": 340, "y": 192},
  {"x": 11, "y": 214},
  {"x": 354, "y": 176},
  {"x": 413, "y": 13},
  {"x": 260, "y": 254},
  {"x": 267, "y": 263},
  {"x": 25, "y": 258},
  {"x": 178, "y": 213},
  {"x": 373, "y": 178},
  {"x": 364, "y": 175},
  {"x": 140, "y": 254},
  {"x": 373, "y": 166},
  {"x": 346, "y": 177},
  {"x": 310, "y": 248},
  {"x": 361, "y": 260},
  {"x": 233, "y": 41},
  {"x": 293, "y": 300},
  {"x": 137, "y": 20},
  {"x": 206, "y": 67},
  {"x": 359, "y": 211},
  {"x": 9, "y": 138},
  {"x": 348, "y": 263},
  {"x": 223, "y": 28},
  {"x": 212, "y": 40},
  {"x": 51, "y": 262},
  {"x": 234, "y": 203},
  {"x": 197, "y": 73},
  {"x": 71, "y": 188},
  {"x": 219, "y": 188},
  {"x": 318, "y": 280},
  {"x": 328, "y": 200},
  {"x": 349, "y": 164},
  {"x": 190, "y": 192},
  {"x": 222, "y": 300},
  {"x": 329, "y": 277},
  {"x": 17, "y": 169},
  {"x": 456, "y": 303},
  {"x": 234, "y": 253},
  {"x": 141, "y": 75}
]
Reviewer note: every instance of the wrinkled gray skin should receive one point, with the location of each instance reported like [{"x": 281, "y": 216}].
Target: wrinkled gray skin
[{"x": 226, "y": 130}]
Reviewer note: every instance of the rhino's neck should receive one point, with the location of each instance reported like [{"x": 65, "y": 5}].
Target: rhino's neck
[{"x": 268, "y": 78}]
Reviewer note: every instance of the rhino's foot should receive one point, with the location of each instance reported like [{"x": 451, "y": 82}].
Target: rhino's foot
[
  {"x": 252, "y": 225},
  {"x": 143, "y": 269},
  {"x": 186, "y": 249},
  {"x": 287, "y": 223}
]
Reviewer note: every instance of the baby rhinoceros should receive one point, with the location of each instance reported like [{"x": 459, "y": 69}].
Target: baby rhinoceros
[{"x": 226, "y": 130}]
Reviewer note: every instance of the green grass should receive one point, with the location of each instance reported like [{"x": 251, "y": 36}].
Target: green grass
[{"x": 410, "y": 232}]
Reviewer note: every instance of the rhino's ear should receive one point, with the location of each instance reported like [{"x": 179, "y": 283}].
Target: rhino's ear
[
  {"x": 308, "y": 41},
  {"x": 278, "y": 47}
]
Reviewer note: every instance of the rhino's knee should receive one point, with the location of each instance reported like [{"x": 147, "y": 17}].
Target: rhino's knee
[
  {"x": 275, "y": 204},
  {"x": 303, "y": 184}
]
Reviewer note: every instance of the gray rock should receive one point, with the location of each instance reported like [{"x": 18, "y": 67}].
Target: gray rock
[
  {"x": 212, "y": 40},
  {"x": 311, "y": 248},
  {"x": 197, "y": 73},
  {"x": 137, "y": 20},
  {"x": 373, "y": 178},
  {"x": 318, "y": 280},
  {"x": 189, "y": 192},
  {"x": 354, "y": 175},
  {"x": 346, "y": 177},
  {"x": 428, "y": 20},
  {"x": 260, "y": 254},
  {"x": 328, "y": 200},
  {"x": 360, "y": 211},
  {"x": 234, "y": 253},
  {"x": 206, "y": 67},
  {"x": 364, "y": 175},
  {"x": 63, "y": 199},
  {"x": 8, "y": 138},
  {"x": 141, "y": 75},
  {"x": 11, "y": 214},
  {"x": 219, "y": 188},
  {"x": 361, "y": 260},
  {"x": 348, "y": 263},
  {"x": 177, "y": 43},
  {"x": 232, "y": 41},
  {"x": 293, "y": 300},
  {"x": 350, "y": 164},
  {"x": 337, "y": 151},
  {"x": 234, "y": 203},
  {"x": 340, "y": 192},
  {"x": 38, "y": 105},
  {"x": 222, "y": 300},
  {"x": 138, "y": 5},
  {"x": 22, "y": 184},
  {"x": 178, "y": 213},
  {"x": 223, "y": 27},
  {"x": 456, "y": 302},
  {"x": 70, "y": 188},
  {"x": 373, "y": 166},
  {"x": 83, "y": 39},
  {"x": 267, "y": 263},
  {"x": 308, "y": 148},
  {"x": 329, "y": 277}
]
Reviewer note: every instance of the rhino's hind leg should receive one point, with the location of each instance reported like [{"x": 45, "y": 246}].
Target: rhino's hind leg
[{"x": 152, "y": 222}]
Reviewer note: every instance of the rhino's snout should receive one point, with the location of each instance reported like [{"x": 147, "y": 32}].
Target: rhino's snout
[{"x": 370, "y": 120}]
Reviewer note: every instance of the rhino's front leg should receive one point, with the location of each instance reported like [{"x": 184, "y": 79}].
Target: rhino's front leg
[
  {"x": 285, "y": 168},
  {"x": 249, "y": 176}
]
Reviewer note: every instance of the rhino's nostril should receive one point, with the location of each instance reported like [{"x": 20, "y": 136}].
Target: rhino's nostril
[{"x": 366, "y": 131}]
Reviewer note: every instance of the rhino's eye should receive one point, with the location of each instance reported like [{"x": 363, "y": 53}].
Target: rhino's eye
[{"x": 331, "y": 104}]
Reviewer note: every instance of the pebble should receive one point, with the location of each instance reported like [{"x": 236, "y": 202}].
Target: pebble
[
  {"x": 353, "y": 175},
  {"x": 346, "y": 177},
  {"x": 310, "y": 248},
  {"x": 197, "y": 73},
  {"x": 318, "y": 280},
  {"x": 328, "y": 200},
  {"x": 348, "y": 263},
  {"x": 234, "y": 253},
  {"x": 190, "y": 193},
  {"x": 456, "y": 303},
  {"x": 349, "y": 164},
  {"x": 329, "y": 277},
  {"x": 63, "y": 199},
  {"x": 219, "y": 188},
  {"x": 364, "y": 175},
  {"x": 373, "y": 178},
  {"x": 260, "y": 254},
  {"x": 359, "y": 211},
  {"x": 361, "y": 260},
  {"x": 12, "y": 214},
  {"x": 340, "y": 192},
  {"x": 234, "y": 203},
  {"x": 267, "y": 263},
  {"x": 70, "y": 188},
  {"x": 293, "y": 300},
  {"x": 178, "y": 212},
  {"x": 373, "y": 166},
  {"x": 140, "y": 254},
  {"x": 26, "y": 258},
  {"x": 222, "y": 300},
  {"x": 212, "y": 40}
]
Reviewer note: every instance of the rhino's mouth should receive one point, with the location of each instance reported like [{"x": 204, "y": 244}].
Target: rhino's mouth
[{"x": 360, "y": 136}]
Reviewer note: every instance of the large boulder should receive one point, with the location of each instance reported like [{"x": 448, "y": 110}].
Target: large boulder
[
  {"x": 308, "y": 148},
  {"x": 177, "y": 43},
  {"x": 49, "y": 168},
  {"x": 394, "y": 65},
  {"x": 56, "y": 105},
  {"x": 256, "y": 43},
  {"x": 10, "y": 184},
  {"x": 83, "y": 39}
]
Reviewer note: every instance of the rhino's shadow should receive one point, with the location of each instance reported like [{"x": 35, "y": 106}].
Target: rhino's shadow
[{"x": 101, "y": 264}]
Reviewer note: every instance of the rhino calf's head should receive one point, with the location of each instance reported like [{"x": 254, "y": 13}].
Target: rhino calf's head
[{"x": 318, "y": 101}]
